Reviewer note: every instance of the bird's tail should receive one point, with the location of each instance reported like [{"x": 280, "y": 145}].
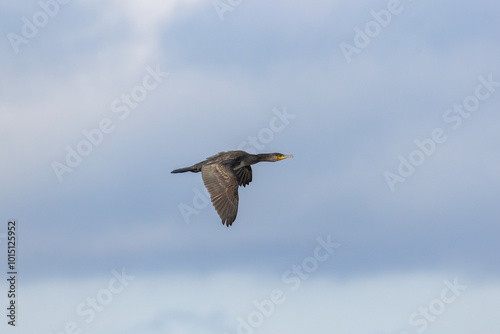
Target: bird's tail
[{"x": 186, "y": 169}]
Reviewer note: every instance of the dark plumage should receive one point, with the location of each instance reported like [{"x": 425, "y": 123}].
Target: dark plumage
[{"x": 223, "y": 173}]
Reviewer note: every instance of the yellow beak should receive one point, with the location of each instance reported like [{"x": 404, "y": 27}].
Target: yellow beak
[{"x": 285, "y": 156}]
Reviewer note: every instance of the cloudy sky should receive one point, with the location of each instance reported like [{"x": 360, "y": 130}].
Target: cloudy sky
[{"x": 385, "y": 222}]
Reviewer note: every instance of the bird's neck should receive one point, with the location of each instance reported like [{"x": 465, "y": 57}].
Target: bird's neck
[
  {"x": 263, "y": 157},
  {"x": 252, "y": 159}
]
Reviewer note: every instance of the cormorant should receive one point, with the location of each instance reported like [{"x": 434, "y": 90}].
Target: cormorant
[{"x": 223, "y": 173}]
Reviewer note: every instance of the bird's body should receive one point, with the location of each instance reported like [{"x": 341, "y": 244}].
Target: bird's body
[{"x": 223, "y": 173}]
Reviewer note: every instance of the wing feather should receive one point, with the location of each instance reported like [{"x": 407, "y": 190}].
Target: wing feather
[
  {"x": 222, "y": 185},
  {"x": 244, "y": 175}
]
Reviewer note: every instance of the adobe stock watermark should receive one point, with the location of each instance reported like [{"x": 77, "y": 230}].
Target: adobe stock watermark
[
  {"x": 89, "y": 309},
  {"x": 372, "y": 29},
  {"x": 121, "y": 106},
  {"x": 253, "y": 144},
  {"x": 223, "y": 6},
  {"x": 425, "y": 315},
  {"x": 453, "y": 117},
  {"x": 291, "y": 280},
  {"x": 38, "y": 20}
]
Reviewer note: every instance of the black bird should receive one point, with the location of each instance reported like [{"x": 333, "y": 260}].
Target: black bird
[{"x": 223, "y": 173}]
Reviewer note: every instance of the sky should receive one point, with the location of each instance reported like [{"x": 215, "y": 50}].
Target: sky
[{"x": 384, "y": 222}]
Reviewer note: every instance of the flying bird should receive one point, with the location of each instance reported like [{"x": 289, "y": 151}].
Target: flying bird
[{"x": 223, "y": 173}]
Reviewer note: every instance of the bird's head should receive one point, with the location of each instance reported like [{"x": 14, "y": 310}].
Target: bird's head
[
  {"x": 279, "y": 156},
  {"x": 270, "y": 157}
]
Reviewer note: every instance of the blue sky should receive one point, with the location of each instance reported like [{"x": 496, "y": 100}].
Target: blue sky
[{"x": 396, "y": 162}]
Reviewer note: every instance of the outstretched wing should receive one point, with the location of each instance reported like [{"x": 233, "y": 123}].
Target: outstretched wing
[
  {"x": 244, "y": 175},
  {"x": 222, "y": 185}
]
